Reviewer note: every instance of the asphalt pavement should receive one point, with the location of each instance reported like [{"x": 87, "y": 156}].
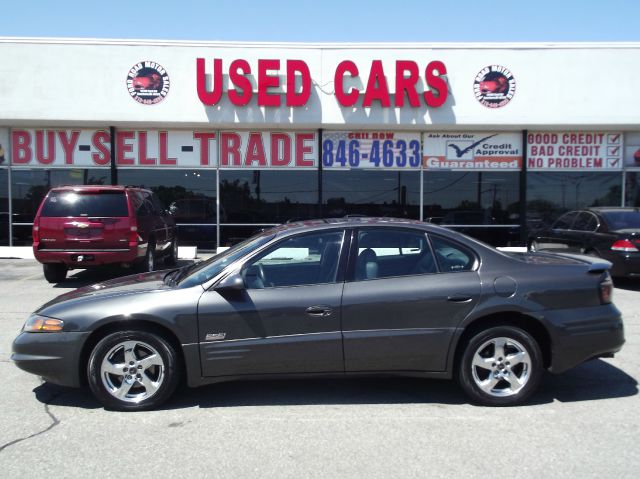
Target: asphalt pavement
[{"x": 583, "y": 423}]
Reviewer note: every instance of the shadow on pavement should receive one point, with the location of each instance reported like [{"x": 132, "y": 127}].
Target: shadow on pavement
[
  {"x": 630, "y": 284},
  {"x": 589, "y": 382}
]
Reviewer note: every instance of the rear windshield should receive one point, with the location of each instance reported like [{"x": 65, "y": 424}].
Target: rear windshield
[
  {"x": 623, "y": 220},
  {"x": 72, "y": 203}
]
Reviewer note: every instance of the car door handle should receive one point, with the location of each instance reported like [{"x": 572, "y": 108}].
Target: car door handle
[
  {"x": 319, "y": 311},
  {"x": 459, "y": 298}
]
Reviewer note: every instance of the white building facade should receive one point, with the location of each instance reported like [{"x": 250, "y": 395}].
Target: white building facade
[{"x": 490, "y": 139}]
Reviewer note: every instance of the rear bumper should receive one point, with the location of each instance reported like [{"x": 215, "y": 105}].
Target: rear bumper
[
  {"x": 53, "y": 356},
  {"x": 91, "y": 257},
  {"x": 578, "y": 335},
  {"x": 625, "y": 264}
]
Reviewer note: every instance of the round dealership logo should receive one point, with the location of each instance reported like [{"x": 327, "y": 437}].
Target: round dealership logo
[
  {"x": 148, "y": 82},
  {"x": 494, "y": 86}
]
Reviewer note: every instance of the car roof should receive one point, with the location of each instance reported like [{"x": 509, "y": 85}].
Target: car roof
[
  {"x": 352, "y": 222},
  {"x": 95, "y": 188},
  {"x": 611, "y": 209}
]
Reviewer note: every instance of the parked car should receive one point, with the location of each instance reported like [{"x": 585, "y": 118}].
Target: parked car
[
  {"x": 611, "y": 233},
  {"x": 89, "y": 226},
  {"x": 339, "y": 297}
]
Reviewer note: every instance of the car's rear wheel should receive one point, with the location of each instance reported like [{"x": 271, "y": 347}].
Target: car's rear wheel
[
  {"x": 133, "y": 370},
  {"x": 149, "y": 261},
  {"x": 500, "y": 366},
  {"x": 172, "y": 258},
  {"x": 55, "y": 272}
]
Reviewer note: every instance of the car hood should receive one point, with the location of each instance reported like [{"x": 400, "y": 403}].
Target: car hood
[{"x": 128, "y": 285}]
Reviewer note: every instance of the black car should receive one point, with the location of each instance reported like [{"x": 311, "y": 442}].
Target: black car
[
  {"x": 341, "y": 297},
  {"x": 610, "y": 233}
]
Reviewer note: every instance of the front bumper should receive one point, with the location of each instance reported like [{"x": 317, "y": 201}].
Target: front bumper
[
  {"x": 53, "y": 356},
  {"x": 578, "y": 335}
]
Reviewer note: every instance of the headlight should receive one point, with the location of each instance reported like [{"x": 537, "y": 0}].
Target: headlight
[{"x": 42, "y": 324}]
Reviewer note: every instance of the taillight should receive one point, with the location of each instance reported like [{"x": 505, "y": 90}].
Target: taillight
[
  {"x": 36, "y": 233},
  {"x": 606, "y": 290},
  {"x": 133, "y": 234},
  {"x": 624, "y": 245}
]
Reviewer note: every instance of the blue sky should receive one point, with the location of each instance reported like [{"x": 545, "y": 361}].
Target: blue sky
[{"x": 327, "y": 21}]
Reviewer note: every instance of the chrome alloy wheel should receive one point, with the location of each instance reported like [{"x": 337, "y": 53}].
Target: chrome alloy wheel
[
  {"x": 132, "y": 371},
  {"x": 501, "y": 367},
  {"x": 151, "y": 260}
]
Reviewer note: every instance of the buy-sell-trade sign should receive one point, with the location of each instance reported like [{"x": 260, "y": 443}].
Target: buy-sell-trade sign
[{"x": 472, "y": 151}]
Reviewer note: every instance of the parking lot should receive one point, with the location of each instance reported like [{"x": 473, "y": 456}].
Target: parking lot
[{"x": 583, "y": 423}]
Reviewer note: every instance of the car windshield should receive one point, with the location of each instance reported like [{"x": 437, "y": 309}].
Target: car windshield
[
  {"x": 72, "y": 203},
  {"x": 204, "y": 271},
  {"x": 622, "y": 220}
]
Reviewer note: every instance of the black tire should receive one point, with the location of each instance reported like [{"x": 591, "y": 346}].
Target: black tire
[
  {"x": 172, "y": 257},
  {"x": 148, "y": 264},
  {"x": 151, "y": 385},
  {"x": 493, "y": 380},
  {"x": 55, "y": 272}
]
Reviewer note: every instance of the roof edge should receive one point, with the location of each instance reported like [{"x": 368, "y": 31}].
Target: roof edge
[{"x": 328, "y": 45}]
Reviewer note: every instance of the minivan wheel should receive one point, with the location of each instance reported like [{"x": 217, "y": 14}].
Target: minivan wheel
[
  {"x": 172, "y": 258},
  {"x": 55, "y": 272},
  {"x": 149, "y": 261},
  {"x": 132, "y": 370},
  {"x": 500, "y": 366}
]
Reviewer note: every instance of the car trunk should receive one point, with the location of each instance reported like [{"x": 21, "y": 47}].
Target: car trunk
[{"x": 84, "y": 221}]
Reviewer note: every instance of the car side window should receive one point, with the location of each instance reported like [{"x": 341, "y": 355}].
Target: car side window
[
  {"x": 142, "y": 205},
  {"x": 452, "y": 257},
  {"x": 586, "y": 222},
  {"x": 158, "y": 208},
  {"x": 384, "y": 253},
  {"x": 565, "y": 221},
  {"x": 296, "y": 261}
]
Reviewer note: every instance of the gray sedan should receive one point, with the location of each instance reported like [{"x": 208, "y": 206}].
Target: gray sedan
[{"x": 345, "y": 297}]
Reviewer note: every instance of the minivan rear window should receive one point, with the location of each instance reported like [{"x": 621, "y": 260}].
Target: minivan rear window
[{"x": 73, "y": 203}]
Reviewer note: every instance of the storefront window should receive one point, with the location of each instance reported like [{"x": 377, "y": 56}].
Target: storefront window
[
  {"x": 482, "y": 204},
  {"x": 189, "y": 194},
  {"x": 550, "y": 194},
  {"x": 30, "y": 186},
  {"x": 267, "y": 196},
  {"x": 4, "y": 207},
  {"x": 371, "y": 193},
  {"x": 632, "y": 189}
]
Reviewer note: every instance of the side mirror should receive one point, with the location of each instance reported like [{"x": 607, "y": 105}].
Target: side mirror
[{"x": 233, "y": 282}]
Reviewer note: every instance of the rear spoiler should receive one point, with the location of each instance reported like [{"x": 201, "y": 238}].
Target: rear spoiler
[{"x": 596, "y": 265}]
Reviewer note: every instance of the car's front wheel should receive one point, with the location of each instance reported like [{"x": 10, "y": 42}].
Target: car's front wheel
[
  {"x": 500, "y": 366},
  {"x": 133, "y": 370}
]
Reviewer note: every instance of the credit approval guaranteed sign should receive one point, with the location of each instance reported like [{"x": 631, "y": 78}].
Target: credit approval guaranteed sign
[{"x": 472, "y": 151}]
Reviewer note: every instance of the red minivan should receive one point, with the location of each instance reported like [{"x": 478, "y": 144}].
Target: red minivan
[{"x": 88, "y": 226}]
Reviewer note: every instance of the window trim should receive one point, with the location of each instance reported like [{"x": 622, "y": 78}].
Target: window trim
[
  {"x": 342, "y": 256},
  {"x": 353, "y": 252}
]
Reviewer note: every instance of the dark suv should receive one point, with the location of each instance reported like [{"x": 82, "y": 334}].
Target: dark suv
[{"x": 88, "y": 226}]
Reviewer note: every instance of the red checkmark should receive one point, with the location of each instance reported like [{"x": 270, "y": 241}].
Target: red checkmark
[
  {"x": 613, "y": 138},
  {"x": 614, "y": 150},
  {"x": 613, "y": 163}
]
